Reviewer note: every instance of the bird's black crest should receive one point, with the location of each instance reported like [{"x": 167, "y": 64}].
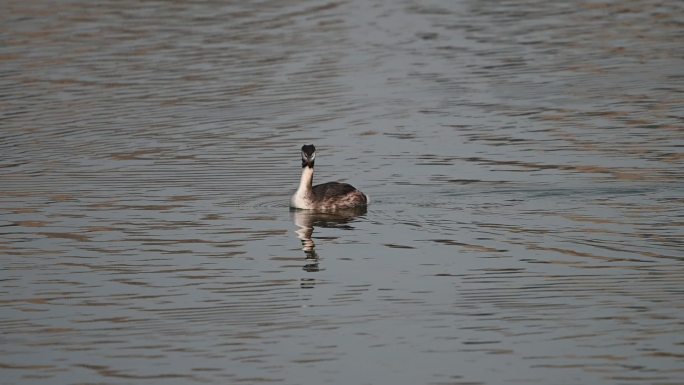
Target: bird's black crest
[
  {"x": 308, "y": 149},
  {"x": 308, "y": 155}
]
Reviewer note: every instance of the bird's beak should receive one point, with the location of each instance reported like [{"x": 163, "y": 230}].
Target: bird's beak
[{"x": 308, "y": 161}]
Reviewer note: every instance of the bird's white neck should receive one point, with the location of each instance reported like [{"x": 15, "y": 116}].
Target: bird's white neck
[
  {"x": 306, "y": 180},
  {"x": 302, "y": 197}
]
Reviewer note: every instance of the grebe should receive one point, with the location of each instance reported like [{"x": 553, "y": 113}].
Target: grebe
[{"x": 326, "y": 196}]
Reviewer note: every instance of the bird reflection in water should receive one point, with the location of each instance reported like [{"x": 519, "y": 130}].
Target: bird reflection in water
[{"x": 308, "y": 220}]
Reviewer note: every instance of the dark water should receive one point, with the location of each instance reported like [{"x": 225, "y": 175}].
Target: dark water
[{"x": 524, "y": 162}]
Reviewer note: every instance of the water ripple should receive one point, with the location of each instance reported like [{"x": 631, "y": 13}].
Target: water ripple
[{"x": 523, "y": 160}]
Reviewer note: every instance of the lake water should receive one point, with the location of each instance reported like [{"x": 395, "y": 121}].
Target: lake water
[{"x": 524, "y": 162}]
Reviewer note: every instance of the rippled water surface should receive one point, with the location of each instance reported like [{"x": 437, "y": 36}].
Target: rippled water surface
[{"x": 524, "y": 162}]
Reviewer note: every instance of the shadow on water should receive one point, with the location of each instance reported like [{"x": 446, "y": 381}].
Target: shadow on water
[{"x": 307, "y": 221}]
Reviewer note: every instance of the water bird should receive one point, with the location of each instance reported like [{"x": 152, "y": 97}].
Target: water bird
[{"x": 326, "y": 196}]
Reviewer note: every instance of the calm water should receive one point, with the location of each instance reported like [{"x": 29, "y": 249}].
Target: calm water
[{"x": 524, "y": 162}]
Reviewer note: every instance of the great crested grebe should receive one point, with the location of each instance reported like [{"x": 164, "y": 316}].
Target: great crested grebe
[{"x": 326, "y": 196}]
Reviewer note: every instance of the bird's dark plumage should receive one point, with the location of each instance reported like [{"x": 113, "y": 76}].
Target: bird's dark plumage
[{"x": 332, "y": 189}]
